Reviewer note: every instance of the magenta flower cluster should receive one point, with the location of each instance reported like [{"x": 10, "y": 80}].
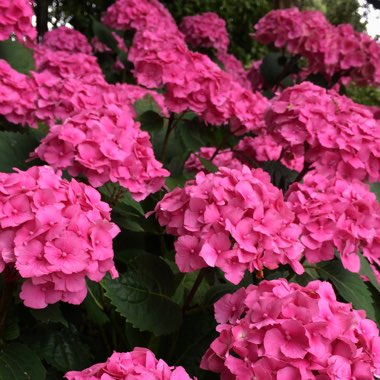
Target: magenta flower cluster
[
  {"x": 205, "y": 30},
  {"x": 336, "y": 135},
  {"x": 16, "y": 20},
  {"x": 55, "y": 233},
  {"x": 66, "y": 39},
  {"x": 232, "y": 219},
  {"x": 283, "y": 331},
  {"x": 192, "y": 81},
  {"x": 139, "y": 364},
  {"x": 105, "y": 145},
  {"x": 336, "y": 214},
  {"x": 327, "y": 48}
]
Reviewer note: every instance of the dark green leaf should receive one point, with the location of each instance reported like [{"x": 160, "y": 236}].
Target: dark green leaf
[
  {"x": 147, "y": 103},
  {"x": 51, "y": 313},
  {"x": 61, "y": 347},
  {"x": 281, "y": 176},
  {"x": 17, "y": 55},
  {"x": 173, "y": 182},
  {"x": 366, "y": 270},
  {"x": 150, "y": 121},
  {"x": 143, "y": 295},
  {"x": 104, "y": 35},
  {"x": 18, "y": 362},
  {"x": 349, "y": 285},
  {"x": 15, "y": 149},
  {"x": 208, "y": 165},
  {"x": 272, "y": 67}
]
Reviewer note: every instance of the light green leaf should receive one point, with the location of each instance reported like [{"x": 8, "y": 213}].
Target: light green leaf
[
  {"x": 208, "y": 165},
  {"x": 17, "y": 55},
  {"x": 145, "y": 104}
]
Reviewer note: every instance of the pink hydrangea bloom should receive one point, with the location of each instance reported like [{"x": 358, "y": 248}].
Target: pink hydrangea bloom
[
  {"x": 234, "y": 67},
  {"x": 205, "y": 30},
  {"x": 17, "y": 96},
  {"x": 283, "y": 331},
  {"x": 161, "y": 58},
  {"x": 105, "y": 145},
  {"x": 224, "y": 158},
  {"x": 139, "y": 364},
  {"x": 66, "y": 39},
  {"x": 336, "y": 135},
  {"x": 336, "y": 214},
  {"x": 55, "y": 233},
  {"x": 328, "y": 49},
  {"x": 255, "y": 77},
  {"x": 16, "y": 19},
  {"x": 232, "y": 219}
]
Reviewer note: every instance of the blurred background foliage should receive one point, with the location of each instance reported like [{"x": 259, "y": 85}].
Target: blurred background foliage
[{"x": 240, "y": 16}]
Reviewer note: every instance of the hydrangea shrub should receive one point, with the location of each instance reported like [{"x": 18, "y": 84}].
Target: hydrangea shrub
[{"x": 169, "y": 214}]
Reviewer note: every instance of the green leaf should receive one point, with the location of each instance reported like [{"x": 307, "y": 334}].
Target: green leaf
[
  {"x": 17, "y": 55},
  {"x": 281, "y": 176},
  {"x": 366, "y": 270},
  {"x": 145, "y": 104},
  {"x": 208, "y": 165},
  {"x": 15, "y": 149},
  {"x": 375, "y": 188},
  {"x": 51, "y": 313},
  {"x": 272, "y": 67},
  {"x": 349, "y": 285},
  {"x": 61, "y": 347},
  {"x": 143, "y": 295},
  {"x": 173, "y": 182},
  {"x": 150, "y": 121},
  {"x": 18, "y": 362},
  {"x": 127, "y": 220},
  {"x": 104, "y": 35}
]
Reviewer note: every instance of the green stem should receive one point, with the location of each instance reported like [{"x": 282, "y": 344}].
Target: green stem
[
  {"x": 194, "y": 289},
  {"x": 166, "y": 139}
]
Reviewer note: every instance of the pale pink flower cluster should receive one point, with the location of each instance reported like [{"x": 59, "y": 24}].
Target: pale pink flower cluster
[
  {"x": 17, "y": 96},
  {"x": 66, "y": 39},
  {"x": 336, "y": 214},
  {"x": 336, "y": 135},
  {"x": 205, "y": 30},
  {"x": 232, "y": 219},
  {"x": 161, "y": 57},
  {"x": 139, "y": 364},
  {"x": 327, "y": 49},
  {"x": 224, "y": 158},
  {"x": 283, "y": 331},
  {"x": 56, "y": 233},
  {"x": 105, "y": 144},
  {"x": 16, "y": 19}
]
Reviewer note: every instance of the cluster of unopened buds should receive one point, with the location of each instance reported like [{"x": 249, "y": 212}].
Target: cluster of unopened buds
[
  {"x": 283, "y": 331},
  {"x": 234, "y": 219},
  {"x": 55, "y": 233}
]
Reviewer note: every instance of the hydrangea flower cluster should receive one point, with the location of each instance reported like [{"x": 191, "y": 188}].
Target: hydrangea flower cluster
[
  {"x": 235, "y": 68},
  {"x": 66, "y": 39},
  {"x": 139, "y": 364},
  {"x": 56, "y": 233},
  {"x": 337, "y": 135},
  {"x": 17, "y": 96},
  {"x": 224, "y": 158},
  {"x": 283, "y": 331},
  {"x": 328, "y": 49},
  {"x": 232, "y": 219},
  {"x": 16, "y": 19},
  {"x": 255, "y": 77},
  {"x": 205, "y": 30},
  {"x": 161, "y": 57},
  {"x": 336, "y": 214},
  {"x": 105, "y": 145}
]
